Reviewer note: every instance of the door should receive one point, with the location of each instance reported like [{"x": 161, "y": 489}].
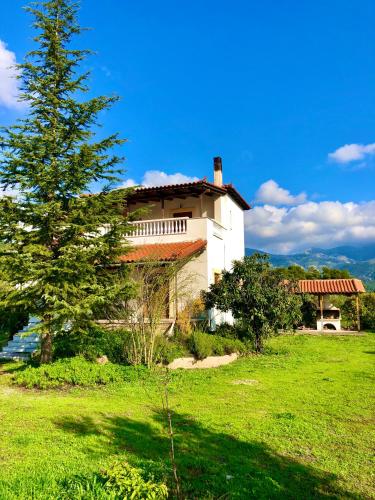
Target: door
[{"x": 183, "y": 214}]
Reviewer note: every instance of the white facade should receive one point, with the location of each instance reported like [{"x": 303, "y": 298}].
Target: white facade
[{"x": 215, "y": 217}]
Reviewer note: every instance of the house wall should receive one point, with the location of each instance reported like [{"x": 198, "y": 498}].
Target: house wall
[
  {"x": 203, "y": 206},
  {"x": 217, "y": 219},
  {"x": 191, "y": 280},
  {"x": 225, "y": 245}
]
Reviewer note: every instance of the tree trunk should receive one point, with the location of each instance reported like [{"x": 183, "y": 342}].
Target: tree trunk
[
  {"x": 258, "y": 342},
  {"x": 46, "y": 348}
]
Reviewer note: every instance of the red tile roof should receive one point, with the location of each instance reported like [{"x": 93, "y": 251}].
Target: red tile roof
[
  {"x": 147, "y": 193},
  {"x": 338, "y": 286},
  {"x": 164, "y": 251}
]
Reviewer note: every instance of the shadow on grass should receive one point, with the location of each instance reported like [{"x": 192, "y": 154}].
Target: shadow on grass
[
  {"x": 8, "y": 366},
  {"x": 212, "y": 464}
]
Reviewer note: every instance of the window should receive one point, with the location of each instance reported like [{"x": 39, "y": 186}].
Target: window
[{"x": 183, "y": 214}]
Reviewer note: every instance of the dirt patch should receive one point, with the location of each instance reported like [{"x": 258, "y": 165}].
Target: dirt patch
[
  {"x": 209, "y": 362},
  {"x": 8, "y": 391}
]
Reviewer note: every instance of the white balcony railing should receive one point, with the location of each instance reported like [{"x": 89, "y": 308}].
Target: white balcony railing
[{"x": 159, "y": 227}]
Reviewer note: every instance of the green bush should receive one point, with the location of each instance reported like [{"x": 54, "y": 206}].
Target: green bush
[
  {"x": 368, "y": 311},
  {"x": 348, "y": 309},
  {"x": 202, "y": 345},
  {"x": 94, "y": 343},
  {"x": 227, "y": 330},
  {"x": 238, "y": 331},
  {"x": 167, "y": 350},
  {"x": 125, "y": 481},
  {"x": 120, "y": 481},
  {"x": 228, "y": 346},
  {"x": 217, "y": 347},
  {"x": 75, "y": 372}
]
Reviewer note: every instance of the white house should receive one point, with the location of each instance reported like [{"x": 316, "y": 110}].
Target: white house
[{"x": 200, "y": 219}]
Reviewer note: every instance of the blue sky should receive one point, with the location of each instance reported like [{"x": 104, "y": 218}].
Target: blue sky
[{"x": 275, "y": 88}]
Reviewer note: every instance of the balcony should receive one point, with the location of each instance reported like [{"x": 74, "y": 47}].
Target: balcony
[
  {"x": 174, "y": 230},
  {"x": 158, "y": 227}
]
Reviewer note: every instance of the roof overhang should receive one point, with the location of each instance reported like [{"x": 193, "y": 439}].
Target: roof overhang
[
  {"x": 194, "y": 189},
  {"x": 164, "y": 252}
]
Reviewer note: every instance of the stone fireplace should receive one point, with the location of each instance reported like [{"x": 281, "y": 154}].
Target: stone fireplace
[{"x": 328, "y": 317}]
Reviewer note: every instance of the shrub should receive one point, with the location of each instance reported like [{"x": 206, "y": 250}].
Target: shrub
[
  {"x": 119, "y": 481},
  {"x": 94, "y": 343},
  {"x": 229, "y": 346},
  {"x": 227, "y": 330},
  {"x": 218, "y": 346},
  {"x": 309, "y": 311},
  {"x": 75, "y": 372},
  {"x": 200, "y": 344},
  {"x": 194, "y": 309},
  {"x": 167, "y": 350},
  {"x": 205, "y": 344},
  {"x": 368, "y": 311},
  {"x": 129, "y": 482}
]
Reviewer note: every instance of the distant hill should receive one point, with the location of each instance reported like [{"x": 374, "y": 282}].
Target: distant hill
[{"x": 359, "y": 261}]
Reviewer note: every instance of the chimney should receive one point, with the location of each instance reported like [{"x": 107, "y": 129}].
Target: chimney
[{"x": 218, "y": 171}]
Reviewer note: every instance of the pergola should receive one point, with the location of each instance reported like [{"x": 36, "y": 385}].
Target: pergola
[{"x": 323, "y": 287}]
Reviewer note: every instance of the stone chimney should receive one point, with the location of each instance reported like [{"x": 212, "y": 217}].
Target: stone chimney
[{"x": 218, "y": 171}]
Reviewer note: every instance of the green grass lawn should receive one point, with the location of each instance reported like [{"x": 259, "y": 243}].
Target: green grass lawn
[{"x": 294, "y": 423}]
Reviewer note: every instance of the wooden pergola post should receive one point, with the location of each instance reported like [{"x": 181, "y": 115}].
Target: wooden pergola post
[{"x": 358, "y": 312}]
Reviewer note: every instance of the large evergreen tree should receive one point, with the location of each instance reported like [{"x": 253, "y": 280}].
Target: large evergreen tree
[{"x": 54, "y": 252}]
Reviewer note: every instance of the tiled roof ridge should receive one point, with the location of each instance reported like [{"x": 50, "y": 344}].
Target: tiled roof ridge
[
  {"x": 333, "y": 286},
  {"x": 180, "y": 184},
  {"x": 168, "y": 252}
]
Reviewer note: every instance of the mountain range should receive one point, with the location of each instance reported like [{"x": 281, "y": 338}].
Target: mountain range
[{"x": 359, "y": 261}]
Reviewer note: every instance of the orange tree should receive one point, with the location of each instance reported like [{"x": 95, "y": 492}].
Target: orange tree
[{"x": 260, "y": 300}]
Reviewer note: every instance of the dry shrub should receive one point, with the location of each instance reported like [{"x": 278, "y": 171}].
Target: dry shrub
[{"x": 193, "y": 310}]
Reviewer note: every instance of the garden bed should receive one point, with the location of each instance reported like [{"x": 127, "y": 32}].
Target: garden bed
[{"x": 209, "y": 362}]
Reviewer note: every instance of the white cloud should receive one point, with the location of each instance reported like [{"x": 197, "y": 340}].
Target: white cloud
[
  {"x": 271, "y": 192},
  {"x": 153, "y": 178},
  {"x": 311, "y": 224},
  {"x": 159, "y": 178},
  {"x": 9, "y": 88},
  {"x": 352, "y": 152},
  {"x": 128, "y": 183}
]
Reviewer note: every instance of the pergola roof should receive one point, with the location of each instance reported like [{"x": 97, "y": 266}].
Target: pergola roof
[
  {"x": 164, "y": 252},
  {"x": 147, "y": 194},
  {"x": 331, "y": 287}
]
